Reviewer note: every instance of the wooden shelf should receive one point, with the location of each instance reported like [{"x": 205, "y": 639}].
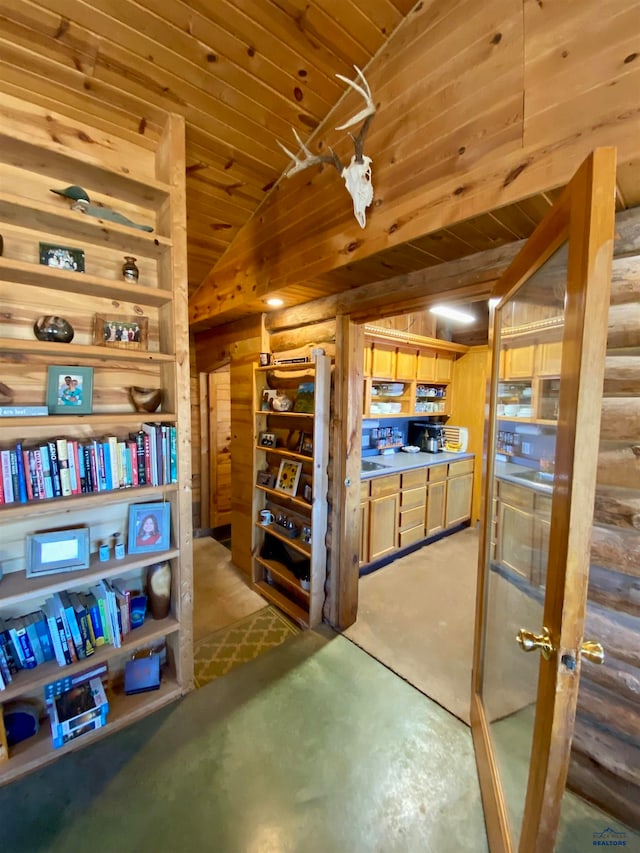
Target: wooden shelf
[
  {"x": 299, "y": 502},
  {"x": 123, "y": 710},
  {"x": 43, "y": 158},
  {"x": 29, "y": 680},
  {"x": 17, "y": 587},
  {"x": 289, "y": 454},
  {"x": 271, "y": 413},
  {"x": 284, "y": 576},
  {"x": 78, "y": 353},
  {"x": 297, "y": 613},
  {"x": 80, "y": 228},
  {"x": 38, "y": 275},
  {"x": 304, "y": 607},
  {"x": 54, "y": 423},
  {"x": 294, "y": 543},
  {"x": 72, "y": 503}
]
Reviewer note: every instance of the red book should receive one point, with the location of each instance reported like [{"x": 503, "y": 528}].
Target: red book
[
  {"x": 132, "y": 449},
  {"x": 28, "y": 471},
  {"x": 147, "y": 461},
  {"x": 73, "y": 450}
]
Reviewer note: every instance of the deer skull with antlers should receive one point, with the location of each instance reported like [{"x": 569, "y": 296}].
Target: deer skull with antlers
[{"x": 357, "y": 175}]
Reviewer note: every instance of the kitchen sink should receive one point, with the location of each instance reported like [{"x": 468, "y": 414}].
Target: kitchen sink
[
  {"x": 372, "y": 466},
  {"x": 536, "y": 477}
]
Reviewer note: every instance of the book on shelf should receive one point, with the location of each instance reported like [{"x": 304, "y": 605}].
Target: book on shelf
[
  {"x": 19, "y": 473},
  {"x": 62, "y": 685},
  {"x": 63, "y": 466},
  {"x": 83, "y": 624},
  {"x": 77, "y": 711},
  {"x": 21, "y": 643},
  {"x": 55, "y": 468},
  {"x": 57, "y": 633},
  {"x": 23, "y": 411},
  {"x": 94, "y": 624}
]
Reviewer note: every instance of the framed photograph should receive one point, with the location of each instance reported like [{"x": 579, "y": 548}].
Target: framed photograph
[
  {"x": 306, "y": 444},
  {"x": 122, "y": 332},
  {"x": 149, "y": 527},
  {"x": 69, "y": 390},
  {"x": 266, "y": 478},
  {"x": 61, "y": 257},
  {"x": 267, "y": 439},
  {"x": 57, "y": 551},
  {"x": 288, "y": 477}
]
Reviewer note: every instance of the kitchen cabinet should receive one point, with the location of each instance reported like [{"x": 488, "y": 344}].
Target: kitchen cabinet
[
  {"x": 364, "y": 522},
  {"x": 289, "y": 552},
  {"x": 411, "y": 516},
  {"x": 383, "y": 516},
  {"x": 444, "y": 367},
  {"x": 519, "y": 362},
  {"x": 548, "y": 359},
  {"x": 522, "y": 534},
  {"x": 426, "y": 369},
  {"x": 436, "y": 499},
  {"x": 459, "y": 493},
  {"x": 406, "y": 363},
  {"x": 383, "y": 360}
]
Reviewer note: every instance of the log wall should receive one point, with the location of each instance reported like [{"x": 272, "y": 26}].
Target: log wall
[{"x": 605, "y": 758}]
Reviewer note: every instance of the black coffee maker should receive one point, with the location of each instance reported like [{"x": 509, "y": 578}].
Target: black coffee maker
[{"x": 427, "y": 436}]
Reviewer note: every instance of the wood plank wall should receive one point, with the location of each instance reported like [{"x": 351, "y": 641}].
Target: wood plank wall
[{"x": 481, "y": 105}]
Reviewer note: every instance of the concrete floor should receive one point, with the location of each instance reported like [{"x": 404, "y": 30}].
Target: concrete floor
[{"x": 312, "y": 747}]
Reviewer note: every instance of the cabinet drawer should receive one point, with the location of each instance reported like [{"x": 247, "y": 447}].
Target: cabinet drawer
[
  {"x": 437, "y": 472},
  {"x": 457, "y": 469},
  {"x": 412, "y": 517},
  {"x": 413, "y": 497},
  {"x": 364, "y": 489},
  {"x": 412, "y": 479},
  {"x": 381, "y": 486},
  {"x": 543, "y": 504},
  {"x": 516, "y": 495},
  {"x": 408, "y": 537}
]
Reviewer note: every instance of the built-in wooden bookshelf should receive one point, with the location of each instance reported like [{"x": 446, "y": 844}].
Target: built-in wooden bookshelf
[
  {"x": 297, "y": 589},
  {"x": 145, "y": 184}
]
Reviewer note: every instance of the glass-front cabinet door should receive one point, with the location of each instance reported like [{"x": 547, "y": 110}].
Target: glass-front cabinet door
[{"x": 551, "y": 305}]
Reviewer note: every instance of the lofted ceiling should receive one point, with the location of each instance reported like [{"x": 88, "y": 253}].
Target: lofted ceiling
[{"x": 243, "y": 73}]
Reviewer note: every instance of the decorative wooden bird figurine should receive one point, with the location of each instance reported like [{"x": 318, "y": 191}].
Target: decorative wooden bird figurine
[{"x": 82, "y": 202}]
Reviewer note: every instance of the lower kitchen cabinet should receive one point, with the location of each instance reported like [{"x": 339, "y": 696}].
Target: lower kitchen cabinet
[
  {"x": 522, "y": 535},
  {"x": 436, "y": 502},
  {"x": 459, "y": 492},
  {"x": 364, "y": 523},
  {"x": 383, "y": 516}
]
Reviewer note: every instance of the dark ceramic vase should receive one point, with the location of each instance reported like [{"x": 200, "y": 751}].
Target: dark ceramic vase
[
  {"x": 52, "y": 328},
  {"x": 159, "y": 589}
]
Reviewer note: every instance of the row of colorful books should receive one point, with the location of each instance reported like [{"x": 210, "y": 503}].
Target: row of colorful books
[
  {"x": 69, "y": 627},
  {"x": 62, "y": 467}
]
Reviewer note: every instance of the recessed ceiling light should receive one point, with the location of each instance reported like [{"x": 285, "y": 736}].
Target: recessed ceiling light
[
  {"x": 452, "y": 313},
  {"x": 275, "y": 303}
]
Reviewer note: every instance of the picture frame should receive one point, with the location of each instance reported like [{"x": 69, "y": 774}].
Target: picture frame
[
  {"x": 266, "y": 479},
  {"x": 61, "y": 257},
  {"x": 267, "y": 439},
  {"x": 306, "y": 444},
  {"x": 288, "y": 477},
  {"x": 69, "y": 389},
  {"x": 122, "y": 332},
  {"x": 149, "y": 527},
  {"x": 53, "y": 551}
]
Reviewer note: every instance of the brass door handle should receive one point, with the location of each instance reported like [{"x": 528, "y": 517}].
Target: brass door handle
[
  {"x": 592, "y": 651},
  {"x": 528, "y": 641}
]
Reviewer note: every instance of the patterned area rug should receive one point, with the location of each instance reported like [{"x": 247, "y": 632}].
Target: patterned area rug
[{"x": 241, "y": 642}]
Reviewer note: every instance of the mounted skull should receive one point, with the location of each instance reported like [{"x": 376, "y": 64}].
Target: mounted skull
[{"x": 357, "y": 175}]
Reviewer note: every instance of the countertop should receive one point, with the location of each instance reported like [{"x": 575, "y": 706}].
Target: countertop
[
  {"x": 509, "y": 471},
  {"x": 406, "y": 461}
]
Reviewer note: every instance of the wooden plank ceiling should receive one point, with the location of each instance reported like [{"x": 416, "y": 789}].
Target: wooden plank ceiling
[{"x": 242, "y": 73}]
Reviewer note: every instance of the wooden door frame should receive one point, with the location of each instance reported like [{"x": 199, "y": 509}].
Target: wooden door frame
[{"x": 585, "y": 209}]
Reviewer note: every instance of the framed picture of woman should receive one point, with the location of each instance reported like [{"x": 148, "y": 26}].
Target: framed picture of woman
[{"x": 149, "y": 527}]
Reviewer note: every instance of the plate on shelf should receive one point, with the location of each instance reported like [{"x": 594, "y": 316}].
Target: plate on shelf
[{"x": 395, "y": 389}]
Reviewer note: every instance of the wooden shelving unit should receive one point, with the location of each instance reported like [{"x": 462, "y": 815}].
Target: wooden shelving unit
[
  {"x": 147, "y": 186},
  {"x": 278, "y": 582}
]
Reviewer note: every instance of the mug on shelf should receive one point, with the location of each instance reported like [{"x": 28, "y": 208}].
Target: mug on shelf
[{"x": 266, "y": 516}]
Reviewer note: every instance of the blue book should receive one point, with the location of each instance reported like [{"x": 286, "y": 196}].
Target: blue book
[
  {"x": 173, "y": 455},
  {"x": 4, "y": 667},
  {"x": 108, "y": 469},
  {"x": 22, "y": 477},
  {"x": 32, "y": 634},
  {"x": 82, "y": 469},
  {"x": 72, "y": 621},
  {"x": 42, "y": 629},
  {"x": 56, "y": 631},
  {"x": 21, "y": 644},
  {"x": 6, "y": 643}
]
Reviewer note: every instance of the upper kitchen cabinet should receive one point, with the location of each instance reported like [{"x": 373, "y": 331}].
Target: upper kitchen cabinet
[{"x": 407, "y": 374}]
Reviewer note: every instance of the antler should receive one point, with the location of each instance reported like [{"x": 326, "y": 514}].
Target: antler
[
  {"x": 309, "y": 159},
  {"x": 367, "y": 112}
]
